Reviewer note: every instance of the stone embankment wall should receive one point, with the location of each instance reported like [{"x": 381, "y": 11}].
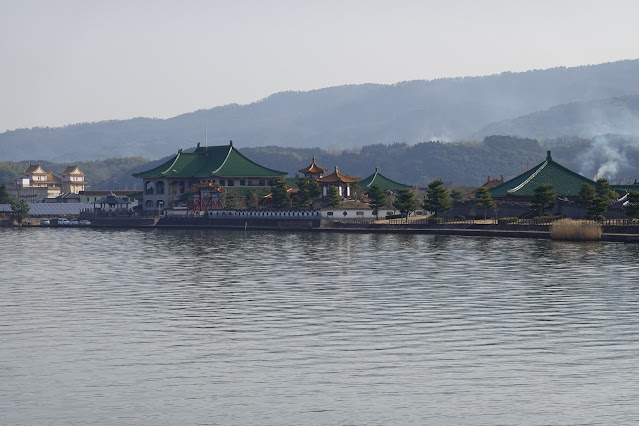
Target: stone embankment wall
[
  {"x": 239, "y": 222},
  {"x": 124, "y": 222}
]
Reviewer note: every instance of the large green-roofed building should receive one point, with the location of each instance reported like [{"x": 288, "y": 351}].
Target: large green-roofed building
[
  {"x": 222, "y": 165},
  {"x": 381, "y": 180},
  {"x": 565, "y": 182}
]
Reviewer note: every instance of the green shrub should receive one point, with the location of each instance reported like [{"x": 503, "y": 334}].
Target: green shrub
[
  {"x": 507, "y": 220},
  {"x": 546, "y": 218},
  {"x": 435, "y": 220}
]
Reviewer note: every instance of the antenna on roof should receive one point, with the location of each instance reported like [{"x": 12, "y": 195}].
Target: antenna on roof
[{"x": 206, "y": 134}]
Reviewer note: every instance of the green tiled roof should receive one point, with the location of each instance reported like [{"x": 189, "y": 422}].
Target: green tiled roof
[
  {"x": 382, "y": 181},
  {"x": 622, "y": 189},
  {"x": 221, "y": 160},
  {"x": 564, "y": 181}
]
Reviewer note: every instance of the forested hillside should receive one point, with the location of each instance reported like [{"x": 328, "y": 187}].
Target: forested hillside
[
  {"x": 450, "y": 109},
  {"x": 469, "y": 163},
  {"x": 619, "y": 115},
  {"x": 112, "y": 173}
]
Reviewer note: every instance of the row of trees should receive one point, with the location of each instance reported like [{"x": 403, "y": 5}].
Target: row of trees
[
  {"x": 438, "y": 199},
  {"x": 309, "y": 191},
  {"x": 596, "y": 199}
]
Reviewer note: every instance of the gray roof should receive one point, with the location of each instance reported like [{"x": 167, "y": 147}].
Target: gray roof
[{"x": 52, "y": 209}]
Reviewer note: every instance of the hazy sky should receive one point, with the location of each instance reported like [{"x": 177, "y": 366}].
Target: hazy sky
[{"x": 64, "y": 62}]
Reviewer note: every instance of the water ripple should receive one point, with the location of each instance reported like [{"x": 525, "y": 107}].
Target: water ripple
[{"x": 211, "y": 327}]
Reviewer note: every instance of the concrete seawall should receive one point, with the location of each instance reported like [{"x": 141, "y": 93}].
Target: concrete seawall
[{"x": 624, "y": 234}]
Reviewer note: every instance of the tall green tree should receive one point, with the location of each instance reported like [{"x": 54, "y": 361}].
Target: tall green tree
[
  {"x": 405, "y": 202},
  {"x": 5, "y": 198},
  {"x": 604, "y": 191},
  {"x": 309, "y": 190},
  {"x": 596, "y": 209},
  {"x": 632, "y": 209},
  {"x": 603, "y": 195},
  {"x": 544, "y": 197},
  {"x": 333, "y": 197},
  {"x": 483, "y": 199},
  {"x": 279, "y": 192},
  {"x": 456, "y": 195},
  {"x": 586, "y": 195},
  {"x": 230, "y": 200},
  {"x": 437, "y": 198},
  {"x": 378, "y": 198},
  {"x": 251, "y": 199},
  {"x": 20, "y": 210}
]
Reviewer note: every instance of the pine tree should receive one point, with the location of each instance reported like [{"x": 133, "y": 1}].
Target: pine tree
[
  {"x": 5, "y": 198},
  {"x": 20, "y": 210},
  {"x": 543, "y": 198},
  {"x": 279, "y": 192},
  {"x": 333, "y": 197},
  {"x": 586, "y": 195},
  {"x": 405, "y": 202},
  {"x": 437, "y": 199},
  {"x": 309, "y": 190},
  {"x": 251, "y": 199},
  {"x": 632, "y": 209},
  {"x": 604, "y": 191},
  {"x": 377, "y": 197},
  {"x": 456, "y": 195},
  {"x": 483, "y": 199},
  {"x": 603, "y": 195}
]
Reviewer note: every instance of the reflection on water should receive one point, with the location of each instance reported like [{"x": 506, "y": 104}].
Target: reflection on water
[{"x": 204, "y": 326}]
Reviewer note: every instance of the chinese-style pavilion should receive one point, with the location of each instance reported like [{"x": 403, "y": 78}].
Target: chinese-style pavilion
[
  {"x": 222, "y": 165},
  {"x": 341, "y": 181},
  {"x": 313, "y": 171}
]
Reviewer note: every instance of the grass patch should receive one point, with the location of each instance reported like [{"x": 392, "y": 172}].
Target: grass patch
[{"x": 575, "y": 230}]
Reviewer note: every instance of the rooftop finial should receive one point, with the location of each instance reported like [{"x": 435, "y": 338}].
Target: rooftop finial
[
  {"x": 231, "y": 143},
  {"x": 548, "y": 157}
]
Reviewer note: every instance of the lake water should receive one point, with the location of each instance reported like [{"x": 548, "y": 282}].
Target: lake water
[{"x": 218, "y": 327}]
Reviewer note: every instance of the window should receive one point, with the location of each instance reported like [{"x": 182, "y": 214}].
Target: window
[
  {"x": 262, "y": 182},
  {"x": 222, "y": 183},
  {"x": 329, "y": 214},
  {"x": 360, "y": 213},
  {"x": 242, "y": 182},
  {"x": 271, "y": 182},
  {"x": 230, "y": 182}
]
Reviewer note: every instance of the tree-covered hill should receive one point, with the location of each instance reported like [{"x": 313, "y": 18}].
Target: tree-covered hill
[
  {"x": 463, "y": 163},
  {"x": 338, "y": 117},
  {"x": 618, "y": 115},
  {"x": 111, "y": 173}
]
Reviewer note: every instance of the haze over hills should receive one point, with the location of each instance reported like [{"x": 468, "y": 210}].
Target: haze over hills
[
  {"x": 551, "y": 103},
  {"x": 619, "y": 115}
]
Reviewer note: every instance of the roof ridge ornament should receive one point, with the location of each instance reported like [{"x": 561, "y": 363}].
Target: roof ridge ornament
[{"x": 548, "y": 156}]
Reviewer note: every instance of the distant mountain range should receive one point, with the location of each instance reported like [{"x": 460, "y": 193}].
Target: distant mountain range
[
  {"x": 619, "y": 115},
  {"x": 583, "y": 102}
]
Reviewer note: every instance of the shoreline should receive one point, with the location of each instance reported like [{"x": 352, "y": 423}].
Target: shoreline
[{"x": 612, "y": 234}]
